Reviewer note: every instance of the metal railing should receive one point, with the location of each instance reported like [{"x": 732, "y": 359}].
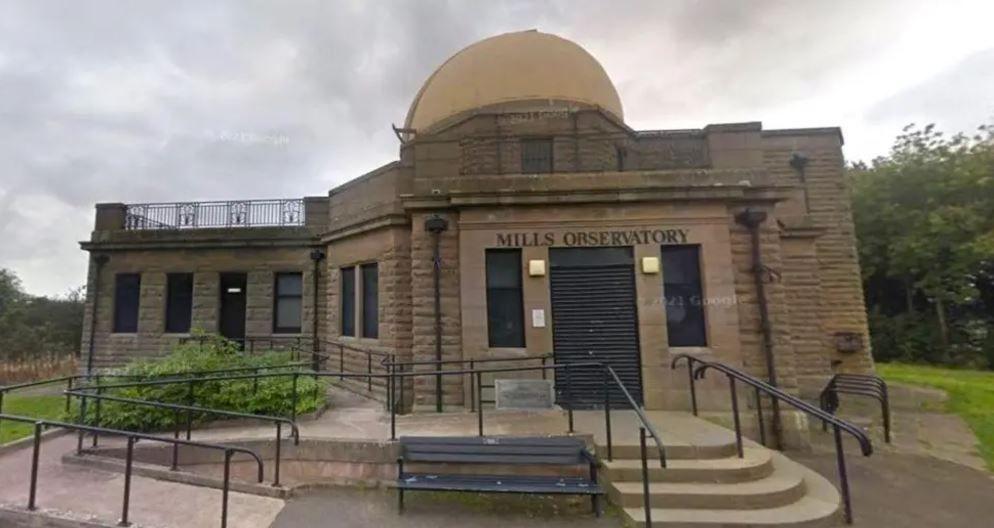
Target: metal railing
[
  {"x": 132, "y": 437},
  {"x": 346, "y": 358},
  {"x": 178, "y": 409},
  {"x": 221, "y": 214},
  {"x": 762, "y": 388},
  {"x": 252, "y": 345},
  {"x": 858, "y": 385}
]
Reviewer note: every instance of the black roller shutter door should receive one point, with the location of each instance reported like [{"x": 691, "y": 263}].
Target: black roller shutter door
[{"x": 594, "y": 318}]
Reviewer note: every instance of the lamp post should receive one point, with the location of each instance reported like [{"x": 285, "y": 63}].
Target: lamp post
[{"x": 436, "y": 225}]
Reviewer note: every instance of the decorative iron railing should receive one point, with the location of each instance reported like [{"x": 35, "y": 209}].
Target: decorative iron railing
[{"x": 201, "y": 215}]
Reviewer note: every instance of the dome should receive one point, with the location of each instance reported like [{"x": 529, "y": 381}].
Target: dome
[{"x": 513, "y": 67}]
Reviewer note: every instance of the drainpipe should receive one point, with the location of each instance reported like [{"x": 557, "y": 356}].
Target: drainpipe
[
  {"x": 99, "y": 260},
  {"x": 436, "y": 225},
  {"x": 752, "y": 219},
  {"x": 316, "y": 256}
]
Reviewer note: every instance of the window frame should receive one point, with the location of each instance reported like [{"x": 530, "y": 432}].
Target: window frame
[
  {"x": 277, "y": 297},
  {"x": 351, "y": 299},
  {"x": 167, "y": 328},
  {"x": 552, "y": 154},
  {"x": 704, "y": 336},
  {"x": 361, "y": 312},
  {"x": 521, "y": 301},
  {"x": 116, "y": 323}
]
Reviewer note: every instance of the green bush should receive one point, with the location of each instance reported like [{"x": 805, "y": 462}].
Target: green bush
[{"x": 270, "y": 396}]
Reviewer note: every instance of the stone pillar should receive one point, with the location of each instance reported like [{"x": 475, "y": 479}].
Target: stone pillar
[{"x": 110, "y": 217}]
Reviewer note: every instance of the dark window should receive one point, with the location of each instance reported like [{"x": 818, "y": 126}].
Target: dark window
[
  {"x": 288, "y": 303},
  {"x": 127, "y": 291},
  {"x": 505, "y": 310},
  {"x": 370, "y": 301},
  {"x": 348, "y": 301},
  {"x": 179, "y": 302},
  {"x": 683, "y": 294},
  {"x": 536, "y": 155}
]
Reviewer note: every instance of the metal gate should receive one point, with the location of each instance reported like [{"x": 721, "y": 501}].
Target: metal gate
[{"x": 594, "y": 318}]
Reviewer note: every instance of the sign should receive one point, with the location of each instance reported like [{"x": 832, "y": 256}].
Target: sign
[
  {"x": 538, "y": 318},
  {"x": 619, "y": 237},
  {"x": 523, "y": 394}
]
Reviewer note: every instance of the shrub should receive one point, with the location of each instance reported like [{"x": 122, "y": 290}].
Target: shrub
[{"x": 270, "y": 396}]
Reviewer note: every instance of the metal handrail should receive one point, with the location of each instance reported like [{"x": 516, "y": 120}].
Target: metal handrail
[
  {"x": 859, "y": 385},
  {"x": 217, "y": 214},
  {"x": 838, "y": 424},
  {"x": 190, "y": 409},
  {"x": 132, "y": 437}
]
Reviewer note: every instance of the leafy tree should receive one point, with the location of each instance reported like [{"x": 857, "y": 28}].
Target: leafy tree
[
  {"x": 36, "y": 326},
  {"x": 925, "y": 222}
]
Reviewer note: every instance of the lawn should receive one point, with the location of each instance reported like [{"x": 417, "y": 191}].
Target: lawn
[
  {"x": 971, "y": 396},
  {"x": 35, "y": 406}
]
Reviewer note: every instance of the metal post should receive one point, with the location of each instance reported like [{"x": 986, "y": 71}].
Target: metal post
[
  {"x": 735, "y": 416},
  {"x": 68, "y": 396},
  {"x": 569, "y": 398},
  {"x": 1, "y": 404},
  {"x": 175, "y": 464},
  {"x": 82, "y": 420},
  {"x": 693, "y": 386},
  {"x": 341, "y": 361},
  {"x": 96, "y": 417},
  {"x": 759, "y": 415},
  {"x": 472, "y": 386},
  {"x": 127, "y": 482},
  {"x": 255, "y": 381},
  {"x": 293, "y": 401},
  {"x": 224, "y": 488},
  {"x": 843, "y": 475},
  {"x": 34, "y": 466},
  {"x": 369, "y": 372},
  {"x": 607, "y": 415},
  {"x": 393, "y": 403},
  {"x": 279, "y": 440},
  {"x": 646, "y": 498},
  {"x": 544, "y": 374},
  {"x": 885, "y": 409},
  {"x": 189, "y": 413},
  {"x": 479, "y": 398}
]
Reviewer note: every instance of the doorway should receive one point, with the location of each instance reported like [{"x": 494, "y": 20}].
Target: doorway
[
  {"x": 232, "y": 320},
  {"x": 594, "y": 318}
]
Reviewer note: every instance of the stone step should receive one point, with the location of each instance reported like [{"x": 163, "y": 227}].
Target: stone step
[
  {"x": 808, "y": 512},
  {"x": 756, "y": 464},
  {"x": 775, "y": 490},
  {"x": 675, "y": 450}
]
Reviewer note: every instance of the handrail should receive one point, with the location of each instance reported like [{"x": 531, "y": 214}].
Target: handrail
[
  {"x": 838, "y": 425},
  {"x": 860, "y": 385},
  {"x": 132, "y": 437},
  {"x": 190, "y": 409}
]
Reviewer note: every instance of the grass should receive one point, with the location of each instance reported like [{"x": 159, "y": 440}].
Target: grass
[
  {"x": 35, "y": 406},
  {"x": 971, "y": 396}
]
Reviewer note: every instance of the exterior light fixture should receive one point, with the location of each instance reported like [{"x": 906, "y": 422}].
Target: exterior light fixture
[
  {"x": 650, "y": 265},
  {"x": 536, "y": 268}
]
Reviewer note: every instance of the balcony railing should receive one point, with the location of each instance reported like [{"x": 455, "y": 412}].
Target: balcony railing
[{"x": 202, "y": 215}]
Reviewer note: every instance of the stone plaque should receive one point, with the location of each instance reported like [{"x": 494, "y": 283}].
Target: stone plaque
[{"x": 523, "y": 394}]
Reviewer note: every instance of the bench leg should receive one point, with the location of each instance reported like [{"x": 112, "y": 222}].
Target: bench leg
[
  {"x": 596, "y": 502},
  {"x": 400, "y": 500}
]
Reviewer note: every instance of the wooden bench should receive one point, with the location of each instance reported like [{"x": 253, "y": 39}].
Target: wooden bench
[{"x": 544, "y": 453}]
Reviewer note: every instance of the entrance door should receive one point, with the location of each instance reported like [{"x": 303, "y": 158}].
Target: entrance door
[
  {"x": 594, "y": 318},
  {"x": 232, "y": 323}
]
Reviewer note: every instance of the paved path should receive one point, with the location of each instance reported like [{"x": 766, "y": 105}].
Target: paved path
[
  {"x": 89, "y": 494},
  {"x": 343, "y": 507}
]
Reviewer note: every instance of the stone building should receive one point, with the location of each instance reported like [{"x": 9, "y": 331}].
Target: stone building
[{"x": 556, "y": 229}]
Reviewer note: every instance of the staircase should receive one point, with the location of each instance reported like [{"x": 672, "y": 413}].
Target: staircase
[{"x": 705, "y": 483}]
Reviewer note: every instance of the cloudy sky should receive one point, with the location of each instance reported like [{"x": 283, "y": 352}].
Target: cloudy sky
[{"x": 176, "y": 100}]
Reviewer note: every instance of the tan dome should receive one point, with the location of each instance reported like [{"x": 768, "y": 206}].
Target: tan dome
[{"x": 522, "y": 66}]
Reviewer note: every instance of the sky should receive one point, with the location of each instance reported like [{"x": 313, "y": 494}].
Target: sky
[{"x": 162, "y": 101}]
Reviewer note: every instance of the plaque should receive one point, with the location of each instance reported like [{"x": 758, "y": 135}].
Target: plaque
[{"x": 523, "y": 394}]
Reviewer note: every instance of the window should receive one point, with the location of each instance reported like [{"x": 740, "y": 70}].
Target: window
[
  {"x": 179, "y": 302},
  {"x": 370, "y": 301},
  {"x": 127, "y": 290},
  {"x": 288, "y": 303},
  {"x": 536, "y": 155},
  {"x": 683, "y": 294},
  {"x": 505, "y": 310},
  {"x": 348, "y": 302}
]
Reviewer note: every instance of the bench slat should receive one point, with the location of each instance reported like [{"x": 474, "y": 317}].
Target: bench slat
[
  {"x": 487, "y": 458},
  {"x": 500, "y": 483}
]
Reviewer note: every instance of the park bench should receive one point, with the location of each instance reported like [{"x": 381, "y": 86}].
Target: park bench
[{"x": 542, "y": 454}]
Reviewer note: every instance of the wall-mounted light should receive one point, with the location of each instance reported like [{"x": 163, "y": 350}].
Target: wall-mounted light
[
  {"x": 536, "y": 268},
  {"x": 650, "y": 265}
]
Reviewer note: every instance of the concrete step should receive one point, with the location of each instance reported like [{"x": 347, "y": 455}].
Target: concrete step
[
  {"x": 675, "y": 450},
  {"x": 769, "y": 492},
  {"x": 756, "y": 464},
  {"x": 792, "y": 496},
  {"x": 361, "y": 388}
]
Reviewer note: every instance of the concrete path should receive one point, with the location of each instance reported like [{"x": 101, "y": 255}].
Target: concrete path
[
  {"x": 343, "y": 507},
  {"x": 88, "y": 494}
]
